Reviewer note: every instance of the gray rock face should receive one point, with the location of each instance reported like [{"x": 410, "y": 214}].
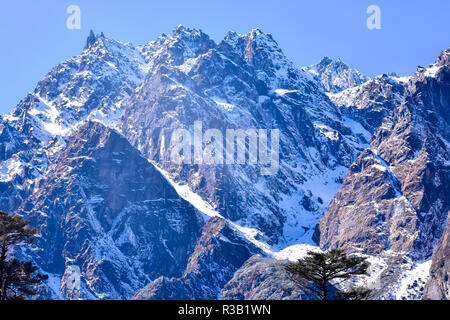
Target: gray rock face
[
  {"x": 396, "y": 195},
  {"x": 218, "y": 254},
  {"x": 106, "y": 210},
  {"x": 336, "y": 76},
  {"x": 244, "y": 82},
  {"x": 261, "y": 279},
  {"x": 438, "y": 285},
  {"x": 372, "y": 101}
]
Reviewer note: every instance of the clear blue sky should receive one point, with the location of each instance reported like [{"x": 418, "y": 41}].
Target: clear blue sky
[{"x": 34, "y": 37}]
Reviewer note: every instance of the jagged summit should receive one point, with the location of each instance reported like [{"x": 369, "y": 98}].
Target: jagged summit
[
  {"x": 182, "y": 29},
  {"x": 325, "y": 61},
  {"x": 92, "y": 39},
  {"x": 336, "y": 75}
]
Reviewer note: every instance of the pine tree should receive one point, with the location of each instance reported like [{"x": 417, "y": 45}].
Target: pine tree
[
  {"x": 318, "y": 272},
  {"x": 17, "y": 279}
]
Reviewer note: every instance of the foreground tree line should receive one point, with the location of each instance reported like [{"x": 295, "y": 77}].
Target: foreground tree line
[
  {"x": 320, "y": 274},
  {"x": 18, "y": 279}
]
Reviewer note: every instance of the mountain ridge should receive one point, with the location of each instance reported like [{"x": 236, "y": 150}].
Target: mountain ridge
[{"x": 140, "y": 95}]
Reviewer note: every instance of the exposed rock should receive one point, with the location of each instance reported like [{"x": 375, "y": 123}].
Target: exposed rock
[
  {"x": 261, "y": 279},
  {"x": 372, "y": 101},
  {"x": 438, "y": 285},
  {"x": 218, "y": 254},
  {"x": 107, "y": 211},
  {"x": 396, "y": 195},
  {"x": 103, "y": 208},
  {"x": 244, "y": 82},
  {"x": 336, "y": 76}
]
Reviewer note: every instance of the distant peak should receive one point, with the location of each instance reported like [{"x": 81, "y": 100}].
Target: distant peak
[
  {"x": 325, "y": 61},
  {"x": 181, "y": 29},
  {"x": 336, "y": 75},
  {"x": 256, "y": 31},
  {"x": 231, "y": 35},
  {"x": 444, "y": 58},
  {"x": 92, "y": 39}
]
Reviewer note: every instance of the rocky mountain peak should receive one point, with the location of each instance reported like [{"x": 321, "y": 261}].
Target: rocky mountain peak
[
  {"x": 175, "y": 49},
  {"x": 336, "y": 75},
  {"x": 113, "y": 204},
  {"x": 181, "y": 30},
  {"x": 259, "y": 49},
  {"x": 444, "y": 58},
  {"x": 262, "y": 51},
  {"x": 92, "y": 39}
]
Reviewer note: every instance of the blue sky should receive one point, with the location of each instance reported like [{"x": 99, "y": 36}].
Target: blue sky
[{"x": 34, "y": 36}]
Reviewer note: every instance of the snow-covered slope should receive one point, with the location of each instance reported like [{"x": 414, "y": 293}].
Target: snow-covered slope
[{"x": 335, "y": 75}]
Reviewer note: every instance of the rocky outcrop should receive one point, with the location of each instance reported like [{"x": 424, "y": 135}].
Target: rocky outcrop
[
  {"x": 218, "y": 254},
  {"x": 261, "y": 279},
  {"x": 107, "y": 212},
  {"x": 336, "y": 76},
  {"x": 438, "y": 285}
]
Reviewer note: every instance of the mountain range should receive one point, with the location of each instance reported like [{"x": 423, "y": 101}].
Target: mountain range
[{"x": 364, "y": 166}]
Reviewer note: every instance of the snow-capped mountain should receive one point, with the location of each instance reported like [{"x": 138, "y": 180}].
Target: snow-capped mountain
[
  {"x": 372, "y": 101},
  {"x": 106, "y": 209},
  {"x": 92, "y": 85},
  {"x": 335, "y": 75},
  {"x": 245, "y": 82},
  {"x": 396, "y": 197},
  {"x": 86, "y": 157}
]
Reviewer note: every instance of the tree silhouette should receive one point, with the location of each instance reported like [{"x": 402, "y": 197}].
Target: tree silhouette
[
  {"x": 315, "y": 273},
  {"x": 17, "y": 279}
]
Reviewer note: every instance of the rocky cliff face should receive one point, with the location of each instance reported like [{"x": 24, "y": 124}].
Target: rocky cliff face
[
  {"x": 396, "y": 196},
  {"x": 245, "y": 82},
  {"x": 372, "y": 101},
  {"x": 336, "y": 76},
  {"x": 92, "y": 85},
  {"x": 219, "y": 252},
  {"x": 438, "y": 285},
  {"x": 106, "y": 210}
]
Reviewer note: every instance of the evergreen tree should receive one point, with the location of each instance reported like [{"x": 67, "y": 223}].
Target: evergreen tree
[
  {"x": 17, "y": 279},
  {"x": 316, "y": 272}
]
